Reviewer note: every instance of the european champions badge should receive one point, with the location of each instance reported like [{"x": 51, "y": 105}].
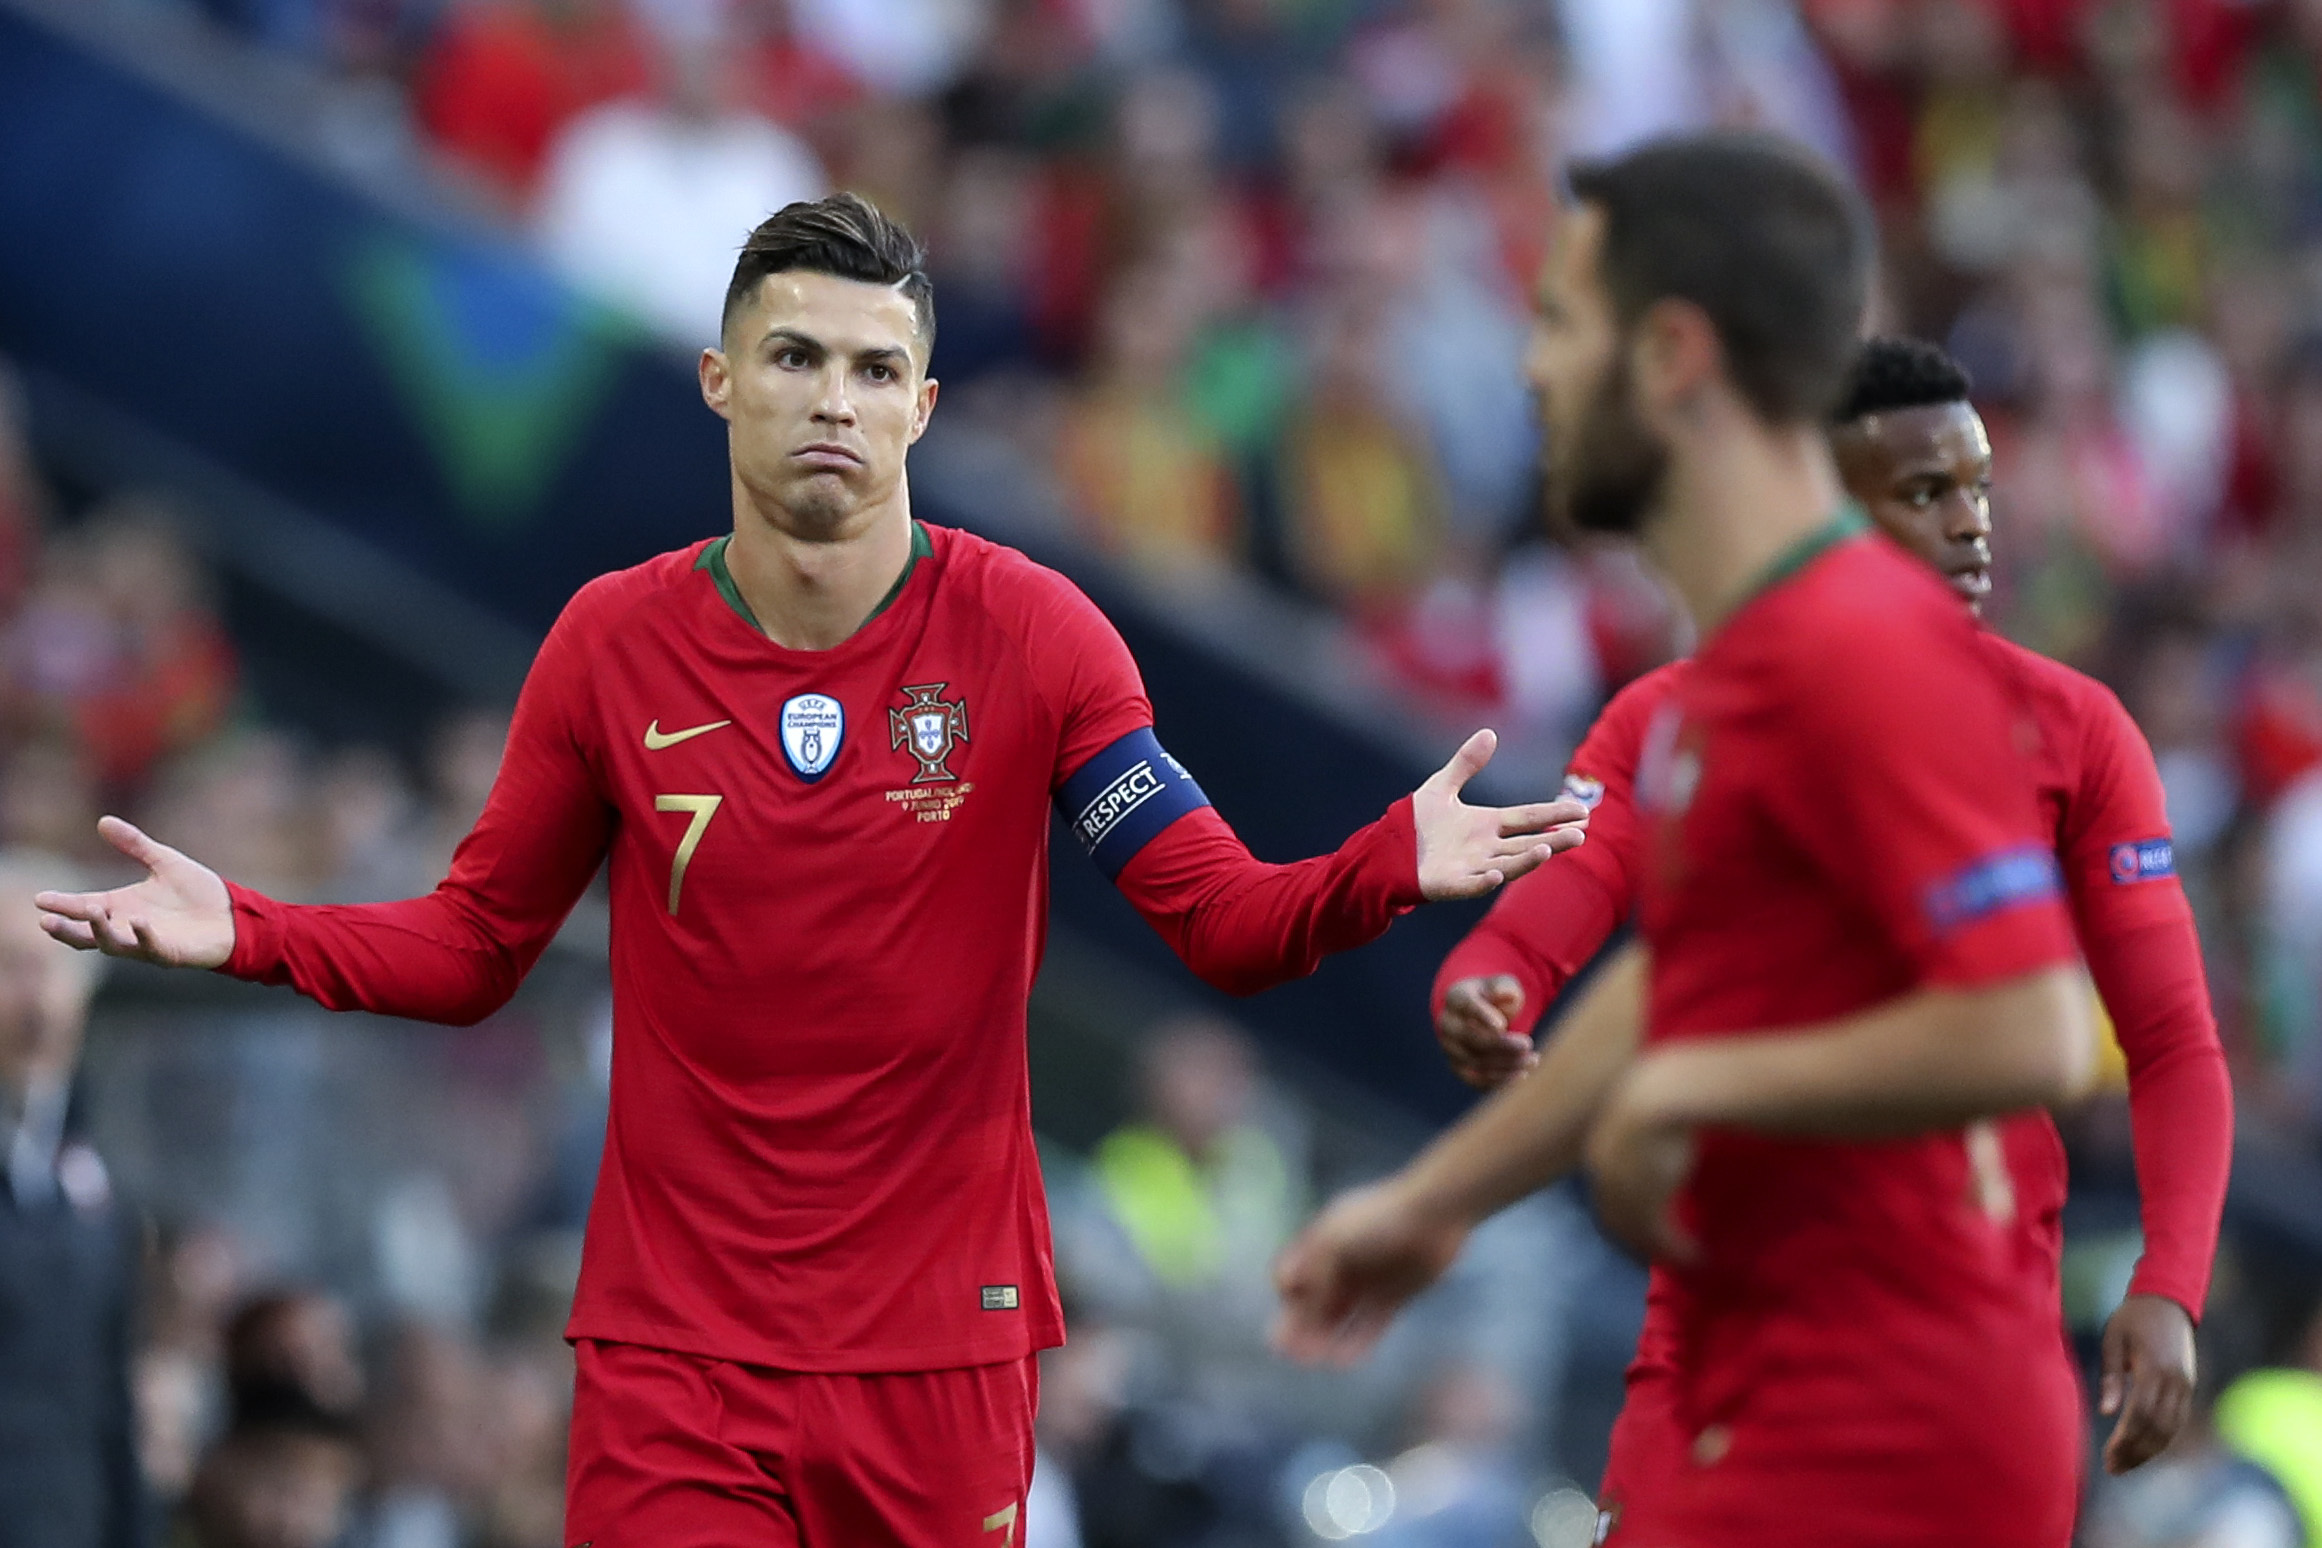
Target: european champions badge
[{"x": 813, "y": 727}]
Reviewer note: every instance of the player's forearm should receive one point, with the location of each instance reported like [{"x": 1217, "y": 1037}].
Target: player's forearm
[
  {"x": 1243, "y": 925},
  {"x": 2180, "y": 1099},
  {"x": 1530, "y": 1133},
  {"x": 1932, "y": 1059},
  {"x": 425, "y": 959}
]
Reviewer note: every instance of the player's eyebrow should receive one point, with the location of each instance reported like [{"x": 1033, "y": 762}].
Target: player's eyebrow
[
  {"x": 792, "y": 336},
  {"x": 877, "y": 354}
]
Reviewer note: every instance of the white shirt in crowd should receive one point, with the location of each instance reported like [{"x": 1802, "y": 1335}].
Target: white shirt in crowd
[{"x": 646, "y": 208}]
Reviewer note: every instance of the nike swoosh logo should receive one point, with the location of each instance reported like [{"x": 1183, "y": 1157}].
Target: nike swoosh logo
[{"x": 656, "y": 739}]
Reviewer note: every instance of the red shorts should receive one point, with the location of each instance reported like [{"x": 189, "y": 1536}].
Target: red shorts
[
  {"x": 2012, "y": 1480},
  {"x": 678, "y": 1451},
  {"x": 1645, "y": 1459}
]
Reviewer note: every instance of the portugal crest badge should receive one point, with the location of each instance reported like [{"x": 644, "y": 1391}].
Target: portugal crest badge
[
  {"x": 930, "y": 728},
  {"x": 814, "y": 725}
]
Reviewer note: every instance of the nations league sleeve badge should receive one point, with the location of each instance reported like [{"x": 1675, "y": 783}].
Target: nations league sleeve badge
[{"x": 813, "y": 726}]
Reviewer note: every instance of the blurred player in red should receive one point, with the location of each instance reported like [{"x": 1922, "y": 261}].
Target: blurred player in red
[
  {"x": 1855, "y": 945},
  {"x": 819, "y": 754},
  {"x": 1913, "y": 451}
]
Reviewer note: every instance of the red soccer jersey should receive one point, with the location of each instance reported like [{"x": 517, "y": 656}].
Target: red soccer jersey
[
  {"x": 828, "y": 874},
  {"x": 1843, "y": 814},
  {"x": 2101, "y": 801}
]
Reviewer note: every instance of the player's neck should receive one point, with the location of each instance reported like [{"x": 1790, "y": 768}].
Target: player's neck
[
  {"x": 813, "y": 592},
  {"x": 1735, "y": 504}
]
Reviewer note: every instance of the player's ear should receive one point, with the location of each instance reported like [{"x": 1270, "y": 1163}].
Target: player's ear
[
  {"x": 924, "y": 409},
  {"x": 716, "y": 382},
  {"x": 1678, "y": 354}
]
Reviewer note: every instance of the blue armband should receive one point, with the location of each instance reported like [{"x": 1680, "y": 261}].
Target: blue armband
[{"x": 1124, "y": 796}]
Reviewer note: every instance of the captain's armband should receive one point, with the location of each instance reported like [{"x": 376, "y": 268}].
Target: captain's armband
[{"x": 1123, "y": 797}]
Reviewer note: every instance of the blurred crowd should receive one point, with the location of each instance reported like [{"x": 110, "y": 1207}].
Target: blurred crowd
[
  {"x": 180, "y": 1359},
  {"x": 1247, "y": 280}
]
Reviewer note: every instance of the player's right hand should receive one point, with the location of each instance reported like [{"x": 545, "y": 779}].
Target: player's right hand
[
  {"x": 1473, "y": 1029},
  {"x": 1353, "y": 1268},
  {"x": 180, "y": 915}
]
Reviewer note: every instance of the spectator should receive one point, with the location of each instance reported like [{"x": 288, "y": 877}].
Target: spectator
[
  {"x": 290, "y": 1359},
  {"x": 69, "y": 1475},
  {"x": 118, "y": 646},
  {"x": 463, "y": 760},
  {"x": 504, "y": 76},
  {"x": 2271, "y": 1419},
  {"x": 2195, "y": 1495},
  {"x": 280, "y": 1484},
  {"x": 645, "y": 202},
  {"x": 1366, "y": 509},
  {"x": 192, "y": 1279},
  {"x": 1205, "y": 1195},
  {"x": 1141, "y": 473}
]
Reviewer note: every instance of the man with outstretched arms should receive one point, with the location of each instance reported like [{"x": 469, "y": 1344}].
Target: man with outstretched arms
[
  {"x": 1855, "y": 947},
  {"x": 1912, "y": 450},
  {"x": 820, "y": 754}
]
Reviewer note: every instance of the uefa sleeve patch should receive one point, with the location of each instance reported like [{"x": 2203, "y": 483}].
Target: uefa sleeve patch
[
  {"x": 2000, "y": 881},
  {"x": 1588, "y": 792},
  {"x": 1124, "y": 796},
  {"x": 2145, "y": 860}
]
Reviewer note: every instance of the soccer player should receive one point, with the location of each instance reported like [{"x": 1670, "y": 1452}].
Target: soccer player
[
  {"x": 1913, "y": 452},
  {"x": 1855, "y": 950},
  {"x": 819, "y": 753}
]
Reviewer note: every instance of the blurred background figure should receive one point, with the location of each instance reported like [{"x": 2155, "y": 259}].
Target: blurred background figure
[
  {"x": 69, "y": 1472},
  {"x": 1205, "y": 1195},
  {"x": 276, "y": 1483}
]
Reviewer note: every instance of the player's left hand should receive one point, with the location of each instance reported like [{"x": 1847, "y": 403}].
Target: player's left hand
[
  {"x": 2148, "y": 1379},
  {"x": 1465, "y": 851},
  {"x": 1637, "y": 1161}
]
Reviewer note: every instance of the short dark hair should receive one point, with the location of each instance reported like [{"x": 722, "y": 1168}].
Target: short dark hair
[
  {"x": 845, "y": 235},
  {"x": 1891, "y": 372},
  {"x": 1760, "y": 234}
]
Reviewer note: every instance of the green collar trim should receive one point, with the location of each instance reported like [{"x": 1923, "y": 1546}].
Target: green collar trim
[
  {"x": 713, "y": 559},
  {"x": 1849, "y": 521}
]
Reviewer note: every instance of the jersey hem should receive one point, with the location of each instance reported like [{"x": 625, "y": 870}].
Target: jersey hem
[{"x": 884, "y": 1360}]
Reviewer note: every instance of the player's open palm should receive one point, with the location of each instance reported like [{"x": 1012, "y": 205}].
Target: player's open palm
[
  {"x": 1353, "y": 1268},
  {"x": 1465, "y": 851},
  {"x": 180, "y": 915}
]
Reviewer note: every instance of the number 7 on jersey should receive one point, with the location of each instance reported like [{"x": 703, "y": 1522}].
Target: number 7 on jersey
[{"x": 703, "y": 808}]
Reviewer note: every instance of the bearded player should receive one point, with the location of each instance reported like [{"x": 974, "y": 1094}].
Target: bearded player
[
  {"x": 819, "y": 753},
  {"x": 1856, "y": 951},
  {"x": 1913, "y": 451}
]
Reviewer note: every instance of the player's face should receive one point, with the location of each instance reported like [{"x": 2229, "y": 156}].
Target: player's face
[
  {"x": 823, "y": 385},
  {"x": 1924, "y": 474},
  {"x": 1605, "y": 465}
]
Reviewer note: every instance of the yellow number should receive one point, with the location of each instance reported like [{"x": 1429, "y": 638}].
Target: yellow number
[
  {"x": 703, "y": 807},
  {"x": 1987, "y": 1160},
  {"x": 1003, "y": 1518}
]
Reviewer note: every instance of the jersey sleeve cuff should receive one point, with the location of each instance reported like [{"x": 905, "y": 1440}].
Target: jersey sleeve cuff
[
  {"x": 257, "y": 934},
  {"x": 1482, "y": 955},
  {"x": 2157, "y": 1280},
  {"x": 1390, "y": 855}
]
